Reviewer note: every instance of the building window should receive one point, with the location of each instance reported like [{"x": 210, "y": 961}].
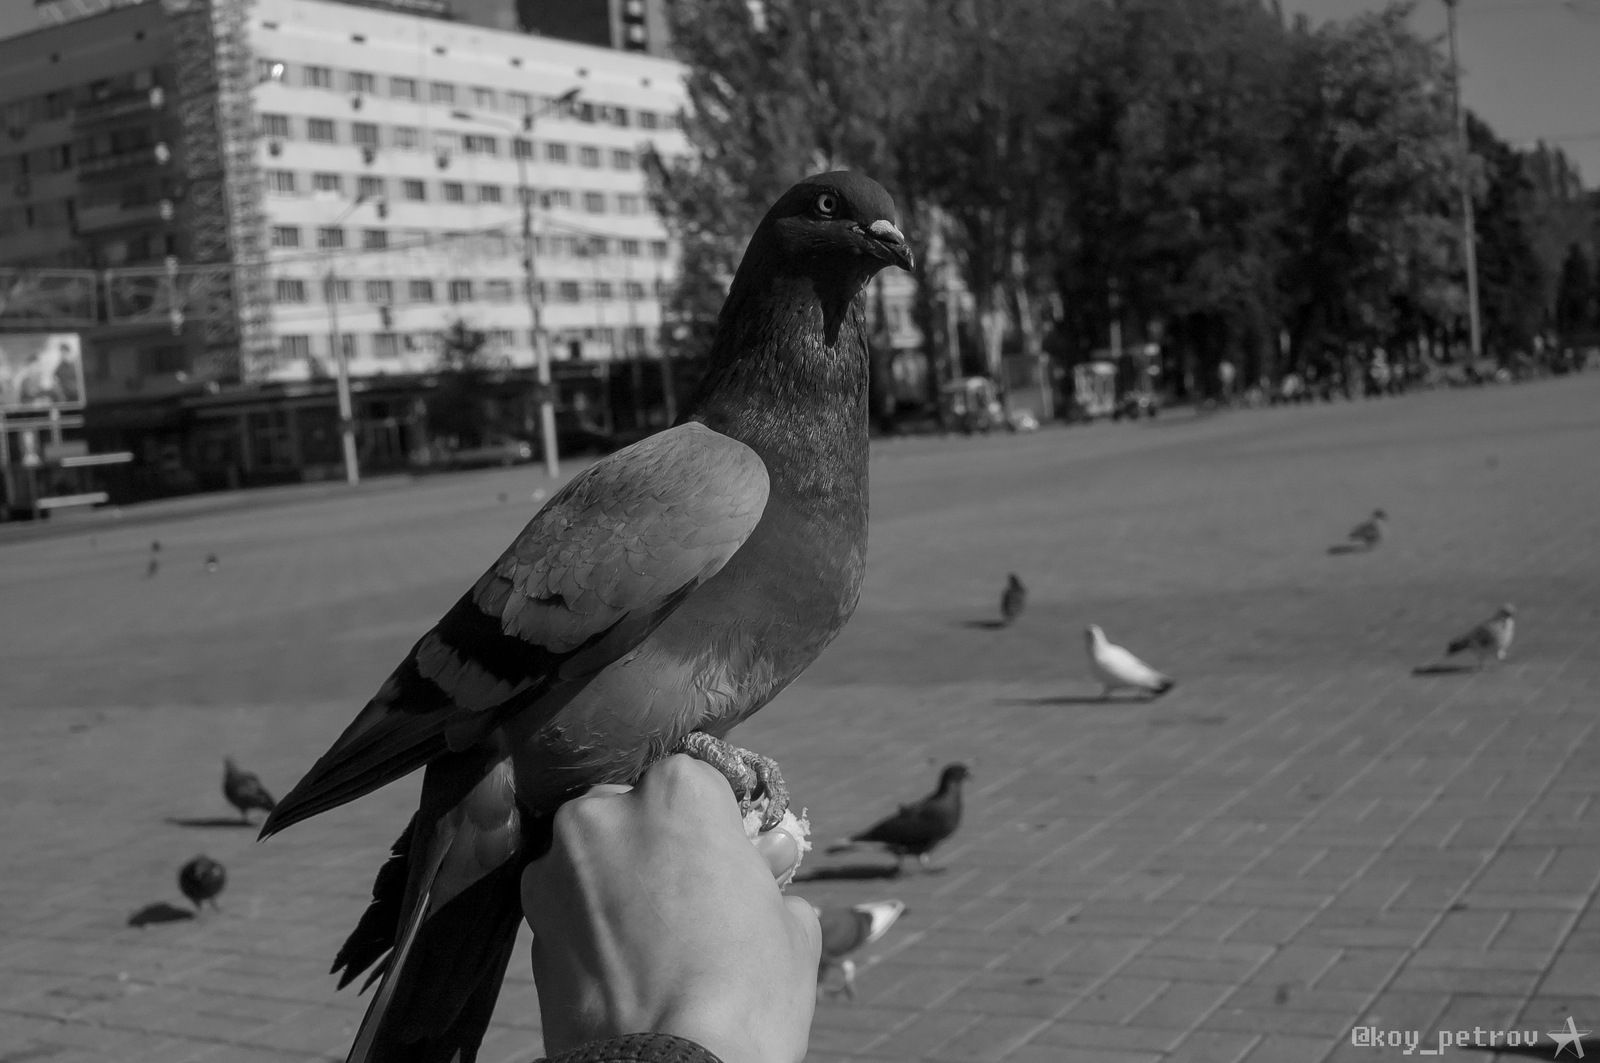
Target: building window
[
  {"x": 647, "y": 120},
  {"x": 454, "y": 192},
  {"x": 403, "y": 88},
  {"x": 631, "y": 248},
  {"x": 327, "y": 182},
  {"x": 597, "y": 245},
  {"x": 583, "y": 111},
  {"x": 558, "y": 198},
  {"x": 364, "y": 133},
  {"x": 621, "y": 160},
  {"x": 589, "y": 157},
  {"x": 479, "y": 144},
  {"x": 497, "y": 291},
  {"x": 360, "y": 81},
  {"x": 519, "y": 102},
  {"x": 627, "y": 204},
  {"x": 380, "y": 293},
  {"x": 339, "y": 289},
  {"x": 442, "y": 92},
  {"x": 330, "y": 238},
  {"x": 269, "y": 70},
  {"x": 280, "y": 182},
  {"x": 285, "y": 236},
  {"x": 568, "y": 292},
  {"x": 317, "y": 77},
  {"x": 375, "y": 239},
  {"x": 594, "y": 202},
  {"x": 632, "y": 291},
  {"x": 521, "y": 149},
  {"x": 293, "y": 347},
  {"x": 483, "y": 98},
  {"x": 658, "y": 248},
  {"x": 501, "y": 338},
  {"x": 461, "y": 291},
  {"x": 275, "y": 125},
  {"x": 555, "y": 152},
  {"x": 415, "y": 191},
  {"x": 419, "y": 291},
  {"x": 291, "y": 291},
  {"x": 369, "y": 187},
  {"x": 320, "y": 130},
  {"x": 385, "y": 345},
  {"x": 488, "y": 193},
  {"x": 407, "y": 138},
  {"x": 602, "y": 290},
  {"x": 494, "y": 244}
]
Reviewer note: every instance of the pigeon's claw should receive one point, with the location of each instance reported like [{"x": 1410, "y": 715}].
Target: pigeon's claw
[{"x": 751, "y": 775}]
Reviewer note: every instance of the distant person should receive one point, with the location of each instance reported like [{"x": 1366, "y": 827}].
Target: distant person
[{"x": 1225, "y": 377}]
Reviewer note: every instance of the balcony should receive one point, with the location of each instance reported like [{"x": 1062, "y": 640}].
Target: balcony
[
  {"x": 120, "y": 164},
  {"x": 113, "y": 216},
  {"x": 112, "y": 108}
]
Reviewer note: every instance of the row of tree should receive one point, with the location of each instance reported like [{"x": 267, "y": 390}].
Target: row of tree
[{"x": 1211, "y": 175}]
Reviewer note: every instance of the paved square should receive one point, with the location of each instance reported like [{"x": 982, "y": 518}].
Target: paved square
[{"x": 1302, "y": 838}]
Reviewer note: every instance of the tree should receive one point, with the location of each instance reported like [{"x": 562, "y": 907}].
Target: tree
[
  {"x": 1511, "y": 281},
  {"x": 1576, "y": 294},
  {"x": 456, "y": 408}
]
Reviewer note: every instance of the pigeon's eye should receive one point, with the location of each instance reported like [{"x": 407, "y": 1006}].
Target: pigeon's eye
[{"x": 827, "y": 204}]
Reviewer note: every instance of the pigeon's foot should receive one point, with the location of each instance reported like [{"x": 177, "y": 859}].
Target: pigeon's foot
[{"x": 751, "y": 775}]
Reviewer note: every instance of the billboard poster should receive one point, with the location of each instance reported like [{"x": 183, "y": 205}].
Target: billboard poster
[{"x": 40, "y": 370}]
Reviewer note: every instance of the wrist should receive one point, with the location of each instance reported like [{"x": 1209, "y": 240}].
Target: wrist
[{"x": 732, "y": 1039}]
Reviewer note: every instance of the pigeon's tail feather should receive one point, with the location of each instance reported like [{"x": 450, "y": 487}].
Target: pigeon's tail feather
[
  {"x": 443, "y": 976},
  {"x": 843, "y": 845},
  {"x": 379, "y": 926},
  {"x": 1163, "y": 686}
]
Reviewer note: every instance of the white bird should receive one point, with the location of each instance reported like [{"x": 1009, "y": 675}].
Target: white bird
[
  {"x": 846, "y": 930},
  {"x": 1116, "y": 668},
  {"x": 1492, "y": 636}
]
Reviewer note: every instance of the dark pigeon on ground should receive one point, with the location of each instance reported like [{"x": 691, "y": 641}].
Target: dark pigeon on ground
[
  {"x": 244, "y": 790},
  {"x": 152, "y": 568},
  {"x": 917, "y": 828},
  {"x": 846, "y": 930},
  {"x": 155, "y": 546},
  {"x": 1013, "y": 599},
  {"x": 689, "y": 578},
  {"x": 212, "y": 563},
  {"x": 201, "y": 879},
  {"x": 1493, "y": 636}
]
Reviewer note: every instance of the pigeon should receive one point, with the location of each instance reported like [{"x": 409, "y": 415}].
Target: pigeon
[
  {"x": 1492, "y": 636},
  {"x": 917, "y": 828},
  {"x": 155, "y": 546},
  {"x": 1012, "y": 599},
  {"x": 212, "y": 563},
  {"x": 846, "y": 930},
  {"x": 244, "y": 790},
  {"x": 201, "y": 879},
  {"x": 664, "y": 594},
  {"x": 152, "y": 568},
  {"x": 1369, "y": 533},
  {"x": 1117, "y": 669}
]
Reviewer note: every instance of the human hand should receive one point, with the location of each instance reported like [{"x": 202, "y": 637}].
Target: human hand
[{"x": 653, "y": 913}]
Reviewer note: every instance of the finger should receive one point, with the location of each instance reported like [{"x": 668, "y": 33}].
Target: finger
[
  {"x": 781, "y": 852},
  {"x": 606, "y": 789},
  {"x": 810, "y": 925}
]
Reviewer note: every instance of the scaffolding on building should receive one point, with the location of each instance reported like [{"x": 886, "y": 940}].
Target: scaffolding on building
[{"x": 226, "y": 215}]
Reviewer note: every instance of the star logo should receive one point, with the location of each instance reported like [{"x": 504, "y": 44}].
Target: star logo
[{"x": 1571, "y": 1037}]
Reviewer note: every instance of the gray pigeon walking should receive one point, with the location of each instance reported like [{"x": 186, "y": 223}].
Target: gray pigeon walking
[
  {"x": 201, "y": 879},
  {"x": 1013, "y": 599},
  {"x": 1492, "y": 636},
  {"x": 1369, "y": 533},
  {"x": 846, "y": 930},
  {"x": 244, "y": 790}
]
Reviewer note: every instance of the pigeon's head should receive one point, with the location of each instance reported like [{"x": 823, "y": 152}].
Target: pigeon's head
[
  {"x": 1013, "y": 582},
  {"x": 1506, "y": 611},
  {"x": 1093, "y": 634},
  {"x": 953, "y": 775},
  {"x": 835, "y": 222}
]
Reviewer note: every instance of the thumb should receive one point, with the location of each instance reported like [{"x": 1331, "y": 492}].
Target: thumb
[{"x": 809, "y": 926}]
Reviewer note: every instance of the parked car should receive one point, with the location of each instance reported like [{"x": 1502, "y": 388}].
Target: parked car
[{"x": 503, "y": 452}]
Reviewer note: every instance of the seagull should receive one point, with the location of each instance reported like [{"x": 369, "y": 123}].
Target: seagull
[
  {"x": 201, "y": 879},
  {"x": 1369, "y": 533},
  {"x": 1116, "y": 668},
  {"x": 846, "y": 930},
  {"x": 917, "y": 828},
  {"x": 244, "y": 790},
  {"x": 1012, "y": 599},
  {"x": 1492, "y": 636}
]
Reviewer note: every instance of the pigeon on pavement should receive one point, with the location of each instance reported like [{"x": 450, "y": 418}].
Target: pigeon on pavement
[
  {"x": 152, "y": 568},
  {"x": 1492, "y": 636},
  {"x": 201, "y": 879},
  {"x": 1369, "y": 533},
  {"x": 917, "y": 828},
  {"x": 666, "y": 593},
  {"x": 1117, "y": 669},
  {"x": 1013, "y": 599},
  {"x": 846, "y": 930},
  {"x": 244, "y": 790},
  {"x": 212, "y": 563}
]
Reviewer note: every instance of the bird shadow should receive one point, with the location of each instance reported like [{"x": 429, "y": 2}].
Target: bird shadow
[
  {"x": 159, "y": 912},
  {"x": 1442, "y": 669},
  {"x": 985, "y": 625},
  {"x": 207, "y": 821},
  {"x": 1073, "y": 699},
  {"x": 849, "y": 873},
  {"x": 1347, "y": 548}
]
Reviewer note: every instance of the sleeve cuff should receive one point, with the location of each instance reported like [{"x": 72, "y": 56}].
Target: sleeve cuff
[{"x": 636, "y": 1048}]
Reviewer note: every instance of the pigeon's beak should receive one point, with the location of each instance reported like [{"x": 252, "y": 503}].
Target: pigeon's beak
[{"x": 889, "y": 243}]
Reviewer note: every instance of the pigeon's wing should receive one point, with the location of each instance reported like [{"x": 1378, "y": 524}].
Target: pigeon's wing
[
  {"x": 911, "y": 825},
  {"x": 591, "y": 576},
  {"x": 1128, "y": 669},
  {"x": 1478, "y": 637},
  {"x": 843, "y": 931}
]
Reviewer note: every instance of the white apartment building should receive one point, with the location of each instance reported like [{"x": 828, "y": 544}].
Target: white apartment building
[{"x": 394, "y": 154}]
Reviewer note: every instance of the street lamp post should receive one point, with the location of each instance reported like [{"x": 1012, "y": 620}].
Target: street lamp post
[
  {"x": 347, "y": 419},
  {"x": 541, "y": 345},
  {"x": 1469, "y": 239}
]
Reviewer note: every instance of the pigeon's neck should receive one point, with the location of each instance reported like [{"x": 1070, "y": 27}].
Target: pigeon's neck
[{"x": 787, "y": 375}]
